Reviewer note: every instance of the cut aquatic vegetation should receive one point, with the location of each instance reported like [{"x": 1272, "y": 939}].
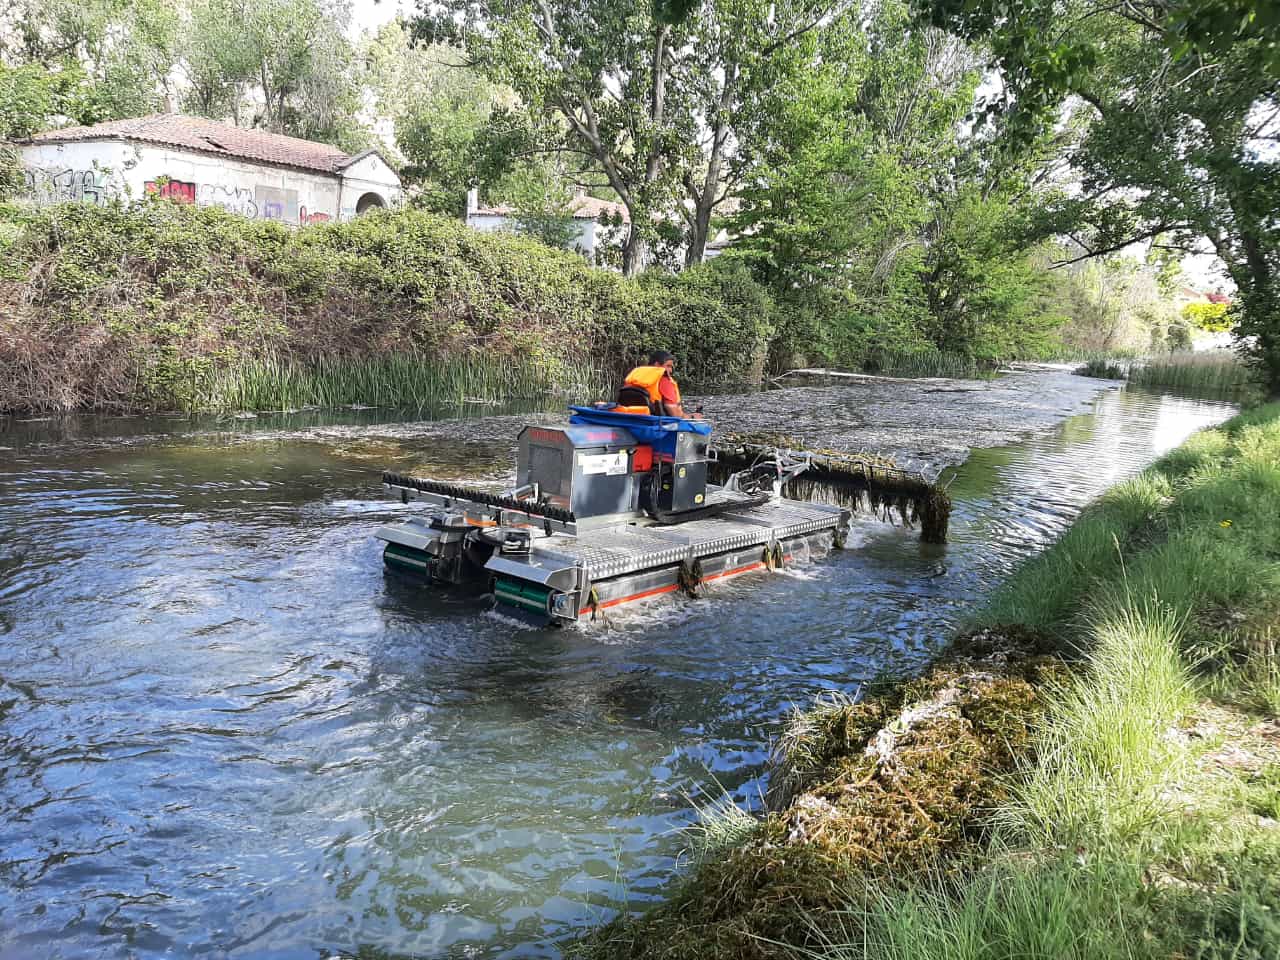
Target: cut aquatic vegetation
[{"x": 1089, "y": 772}]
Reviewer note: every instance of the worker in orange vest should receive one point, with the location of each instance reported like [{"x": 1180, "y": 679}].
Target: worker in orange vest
[{"x": 652, "y": 390}]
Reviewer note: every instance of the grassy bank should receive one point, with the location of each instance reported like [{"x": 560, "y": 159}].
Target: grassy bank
[
  {"x": 1092, "y": 771},
  {"x": 167, "y": 306}
]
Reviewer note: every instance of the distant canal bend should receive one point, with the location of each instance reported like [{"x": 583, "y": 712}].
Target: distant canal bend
[{"x": 225, "y": 733}]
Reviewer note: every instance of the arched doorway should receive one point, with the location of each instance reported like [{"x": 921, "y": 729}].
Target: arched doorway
[{"x": 369, "y": 201}]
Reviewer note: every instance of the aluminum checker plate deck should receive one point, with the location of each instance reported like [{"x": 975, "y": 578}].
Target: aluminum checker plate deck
[
  {"x": 620, "y": 550},
  {"x": 613, "y": 551},
  {"x": 791, "y": 518},
  {"x": 703, "y": 538}
]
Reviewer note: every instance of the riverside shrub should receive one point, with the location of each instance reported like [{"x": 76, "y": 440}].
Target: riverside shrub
[{"x": 140, "y": 307}]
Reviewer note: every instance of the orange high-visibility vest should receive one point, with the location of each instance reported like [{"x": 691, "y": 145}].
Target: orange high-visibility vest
[{"x": 647, "y": 379}]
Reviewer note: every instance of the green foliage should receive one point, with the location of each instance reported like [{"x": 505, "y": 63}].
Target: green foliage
[
  {"x": 1177, "y": 146},
  {"x": 163, "y": 305},
  {"x": 103, "y": 59},
  {"x": 877, "y": 226},
  {"x": 12, "y": 182},
  {"x": 439, "y": 108},
  {"x": 1207, "y": 316},
  {"x": 28, "y": 95},
  {"x": 605, "y": 81},
  {"x": 290, "y": 57},
  {"x": 542, "y": 209},
  {"x": 1113, "y": 304}
]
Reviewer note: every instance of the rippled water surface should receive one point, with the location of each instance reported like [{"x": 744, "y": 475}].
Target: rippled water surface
[{"x": 225, "y": 732}]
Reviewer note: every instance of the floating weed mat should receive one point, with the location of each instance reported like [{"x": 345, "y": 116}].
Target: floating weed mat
[
  {"x": 872, "y": 790},
  {"x": 857, "y": 481}
]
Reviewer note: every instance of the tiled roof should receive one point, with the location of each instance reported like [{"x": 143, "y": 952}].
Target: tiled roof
[
  {"x": 210, "y": 136},
  {"x": 583, "y": 208}
]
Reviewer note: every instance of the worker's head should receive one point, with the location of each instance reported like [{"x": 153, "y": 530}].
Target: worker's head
[{"x": 660, "y": 358}]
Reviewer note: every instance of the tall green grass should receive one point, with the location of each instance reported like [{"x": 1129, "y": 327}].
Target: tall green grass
[
  {"x": 1218, "y": 371},
  {"x": 1048, "y": 589},
  {"x": 1104, "y": 759},
  {"x": 1086, "y": 355},
  {"x": 1116, "y": 842},
  {"x": 1010, "y": 910},
  {"x": 399, "y": 380},
  {"x": 928, "y": 362}
]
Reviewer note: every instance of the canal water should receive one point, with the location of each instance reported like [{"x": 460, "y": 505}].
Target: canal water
[{"x": 224, "y": 732}]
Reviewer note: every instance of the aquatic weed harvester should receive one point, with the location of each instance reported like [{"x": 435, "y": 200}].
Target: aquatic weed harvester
[{"x": 617, "y": 507}]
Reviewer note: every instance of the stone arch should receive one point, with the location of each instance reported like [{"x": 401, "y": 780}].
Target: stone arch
[{"x": 369, "y": 201}]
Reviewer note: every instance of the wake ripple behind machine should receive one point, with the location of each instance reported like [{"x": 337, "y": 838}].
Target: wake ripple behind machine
[{"x": 607, "y": 509}]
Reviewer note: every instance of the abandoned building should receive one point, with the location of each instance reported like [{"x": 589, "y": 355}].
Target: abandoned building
[{"x": 194, "y": 160}]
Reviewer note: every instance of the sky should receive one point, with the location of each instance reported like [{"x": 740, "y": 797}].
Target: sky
[{"x": 369, "y": 15}]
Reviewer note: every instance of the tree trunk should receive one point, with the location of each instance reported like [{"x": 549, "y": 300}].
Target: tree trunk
[
  {"x": 635, "y": 253},
  {"x": 1260, "y": 302},
  {"x": 704, "y": 200}
]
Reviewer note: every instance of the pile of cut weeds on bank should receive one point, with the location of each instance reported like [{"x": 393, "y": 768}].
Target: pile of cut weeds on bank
[
  {"x": 1101, "y": 780},
  {"x": 858, "y": 789}
]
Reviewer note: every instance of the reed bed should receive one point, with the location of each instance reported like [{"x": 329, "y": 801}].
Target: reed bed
[
  {"x": 1211, "y": 370},
  {"x": 400, "y": 380},
  {"x": 927, "y": 363},
  {"x": 1103, "y": 369}
]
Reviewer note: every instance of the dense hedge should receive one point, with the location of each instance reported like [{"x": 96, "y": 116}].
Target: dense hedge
[{"x": 134, "y": 307}]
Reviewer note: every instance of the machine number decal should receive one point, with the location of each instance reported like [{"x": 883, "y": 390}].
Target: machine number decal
[{"x": 609, "y": 464}]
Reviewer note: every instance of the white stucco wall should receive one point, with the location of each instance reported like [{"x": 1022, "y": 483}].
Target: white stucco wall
[
  {"x": 98, "y": 170},
  {"x": 365, "y": 177},
  {"x": 584, "y": 240}
]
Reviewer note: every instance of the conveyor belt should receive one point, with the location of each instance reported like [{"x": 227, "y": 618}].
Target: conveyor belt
[{"x": 483, "y": 497}]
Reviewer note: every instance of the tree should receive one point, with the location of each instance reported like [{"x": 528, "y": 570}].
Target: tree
[
  {"x": 218, "y": 59},
  {"x": 649, "y": 93},
  {"x": 28, "y": 95},
  {"x": 289, "y": 61},
  {"x": 542, "y": 208},
  {"x": 437, "y": 108},
  {"x": 1182, "y": 135},
  {"x": 111, "y": 58},
  {"x": 873, "y": 205}
]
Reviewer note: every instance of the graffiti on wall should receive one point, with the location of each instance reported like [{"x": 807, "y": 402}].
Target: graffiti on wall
[
  {"x": 179, "y": 191},
  {"x": 262, "y": 202},
  {"x": 56, "y": 186},
  {"x": 276, "y": 204},
  {"x": 232, "y": 199}
]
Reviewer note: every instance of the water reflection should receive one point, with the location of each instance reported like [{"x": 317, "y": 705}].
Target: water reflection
[{"x": 224, "y": 732}]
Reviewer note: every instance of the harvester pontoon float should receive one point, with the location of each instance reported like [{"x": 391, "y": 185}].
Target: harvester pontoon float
[{"x": 617, "y": 507}]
